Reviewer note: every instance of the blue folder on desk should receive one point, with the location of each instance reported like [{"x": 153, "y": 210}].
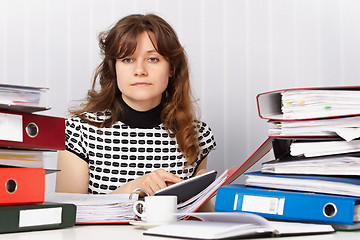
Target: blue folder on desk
[{"x": 288, "y": 205}]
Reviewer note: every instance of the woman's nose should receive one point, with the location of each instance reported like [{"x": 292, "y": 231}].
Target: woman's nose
[{"x": 140, "y": 69}]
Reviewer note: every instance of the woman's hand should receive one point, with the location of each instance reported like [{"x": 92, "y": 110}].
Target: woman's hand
[{"x": 151, "y": 182}]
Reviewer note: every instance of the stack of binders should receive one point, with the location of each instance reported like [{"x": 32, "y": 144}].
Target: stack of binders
[
  {"x": 314, "y": 176},
  {"x": 24, "y": 139}
]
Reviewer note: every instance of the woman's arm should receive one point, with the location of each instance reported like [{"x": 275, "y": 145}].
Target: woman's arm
[
  {"x": 156, "y": 180},
  {"x": 73, "y": 176},
  {"x": 202, "y": 167}
]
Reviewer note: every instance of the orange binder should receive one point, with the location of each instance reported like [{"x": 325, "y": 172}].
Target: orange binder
[
  {"x": 31, "y": 131},
  {"x": 22, "y": 186}
]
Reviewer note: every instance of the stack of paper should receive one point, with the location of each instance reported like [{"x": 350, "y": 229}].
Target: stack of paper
[
  {"x": 323, "y": 148},
  {"x": 347, "y": 186},
  {"x": 319, "y": 103},
  {"x": 23, "y": 98},
  {"x": 119, "y": 208},
  {"x": 331, "y": 165},
  {"x": 21, "y": 158},
  {"x": 315, "y": 136},
  {"x": 98, "y": 208},
  {"x": 346, "y": 127}
]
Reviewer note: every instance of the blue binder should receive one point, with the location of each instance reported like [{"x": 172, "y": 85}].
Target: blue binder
[{"x": 288, "y": 205}]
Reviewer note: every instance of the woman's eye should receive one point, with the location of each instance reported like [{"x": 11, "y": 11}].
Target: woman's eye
[
  {"x": 127, "y": 60},
  {"x": 153, "y": 60}
]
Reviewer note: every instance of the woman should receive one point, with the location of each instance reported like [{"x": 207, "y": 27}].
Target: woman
[{"x": 139, "y": 128}]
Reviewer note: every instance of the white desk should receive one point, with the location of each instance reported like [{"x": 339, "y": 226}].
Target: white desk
[{"x": 128, "y": 232}]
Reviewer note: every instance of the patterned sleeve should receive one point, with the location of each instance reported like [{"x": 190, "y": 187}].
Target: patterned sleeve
[
  {"x": 206, "y": 141},
  {"x": 74, "y": 138}
]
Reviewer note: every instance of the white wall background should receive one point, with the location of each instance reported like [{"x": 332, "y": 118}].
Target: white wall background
[{"x": 236, "y": 49}]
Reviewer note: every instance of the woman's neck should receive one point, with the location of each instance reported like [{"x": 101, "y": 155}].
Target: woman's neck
[
  {"x": 142, "y": 106},
  {"x": 141, "y": 119}
]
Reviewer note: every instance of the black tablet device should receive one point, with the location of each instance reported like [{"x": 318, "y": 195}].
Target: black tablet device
[{"x": 190, "y": 187}]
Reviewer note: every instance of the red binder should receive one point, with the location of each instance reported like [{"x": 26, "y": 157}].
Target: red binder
[
  {"x": 259, "y": 153},
  {"x": 31, "y": 131},
  {"x": 269, "y": 103},
  {"x": 22, "y": 186}
]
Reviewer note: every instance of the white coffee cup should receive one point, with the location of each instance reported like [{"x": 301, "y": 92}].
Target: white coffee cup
[{"x": 157, "y": 209}]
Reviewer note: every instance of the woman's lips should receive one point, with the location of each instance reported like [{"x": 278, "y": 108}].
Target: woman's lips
[{"x": 141, "y": 84}]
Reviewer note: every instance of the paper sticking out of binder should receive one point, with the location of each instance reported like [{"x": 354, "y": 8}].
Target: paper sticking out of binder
[
  {"x": 347, "y": 128},
  {"x": 23, "y": 98},
  {"x": 309, "y": 103},
  {"x": 323, "y": 148},
  {"x": 338, "y": 185}
]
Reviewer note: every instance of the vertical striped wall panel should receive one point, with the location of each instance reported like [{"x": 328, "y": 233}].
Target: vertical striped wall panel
[{"x": 236, "y": 49}]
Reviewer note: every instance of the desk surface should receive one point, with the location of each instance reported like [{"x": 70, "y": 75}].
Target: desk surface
[{"x": 128, "y": 232}]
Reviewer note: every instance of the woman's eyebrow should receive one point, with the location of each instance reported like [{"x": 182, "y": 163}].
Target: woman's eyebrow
[{"x": 152, "y": 51}]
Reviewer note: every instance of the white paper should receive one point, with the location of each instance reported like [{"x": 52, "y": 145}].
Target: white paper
[
  {"x": 308, "y": 185},
  {"x": 118, "y": 207},
  {"x": 21, "y": 158},
  {"x": 329, "y": 165},
  {"x": 319, "y": 103},
  {"x": 219, "y": 225},
  {"x": 99, "y": 207},
  {"x": 314, "y": 149},
  {"x": 193, "y": 203},
  {"x": 347, "y": 128},
  {"x": 349, "y": 133}
]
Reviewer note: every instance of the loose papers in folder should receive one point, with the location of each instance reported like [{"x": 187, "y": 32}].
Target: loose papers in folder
[
  {"x": 347, "y": 128},
  {"x": 319, "y": 103},
  {"x": 323, "y": 148},
  {"x": 97, "y": 208},
  {"x": 330, "y": 165}
]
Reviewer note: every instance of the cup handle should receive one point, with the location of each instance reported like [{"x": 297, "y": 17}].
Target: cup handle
[{"x": 136, "y": 206}]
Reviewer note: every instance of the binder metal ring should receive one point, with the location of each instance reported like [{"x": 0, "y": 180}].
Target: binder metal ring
[
  {"x": 329, "y": 210},
  {"x": 32, "y": 130},
  {"x": 137, "y": 190},
  {"x": 11, "y": 186}
]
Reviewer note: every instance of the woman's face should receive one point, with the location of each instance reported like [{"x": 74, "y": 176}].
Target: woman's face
[{"x": 143, "y": 76}]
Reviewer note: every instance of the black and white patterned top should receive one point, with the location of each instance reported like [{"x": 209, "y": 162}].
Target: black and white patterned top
[{"x": 121, "y": 153}]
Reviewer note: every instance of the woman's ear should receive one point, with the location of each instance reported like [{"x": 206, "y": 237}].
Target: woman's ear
[{"x": 172, "y": 72}]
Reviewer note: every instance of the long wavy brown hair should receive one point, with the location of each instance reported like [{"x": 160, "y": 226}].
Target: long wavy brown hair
[{"x": 120, "y": 41}]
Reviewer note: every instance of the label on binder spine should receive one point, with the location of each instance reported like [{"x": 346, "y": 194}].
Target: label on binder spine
[
  {"x": 39, "y": 217},
  {"x": 11, "y": 127},
  {"x": 269, "y": 205}
]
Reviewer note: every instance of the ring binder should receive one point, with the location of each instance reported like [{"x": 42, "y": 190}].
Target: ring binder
[
  {"x": 288, "y": 204},
  {"x": 31, "y": 131}
]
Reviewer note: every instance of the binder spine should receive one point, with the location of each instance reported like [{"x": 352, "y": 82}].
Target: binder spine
[
  {"x": 22, "y": 186},
  {"x": 31, "y": 217},
  {"x": 31, "y": 131}
]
